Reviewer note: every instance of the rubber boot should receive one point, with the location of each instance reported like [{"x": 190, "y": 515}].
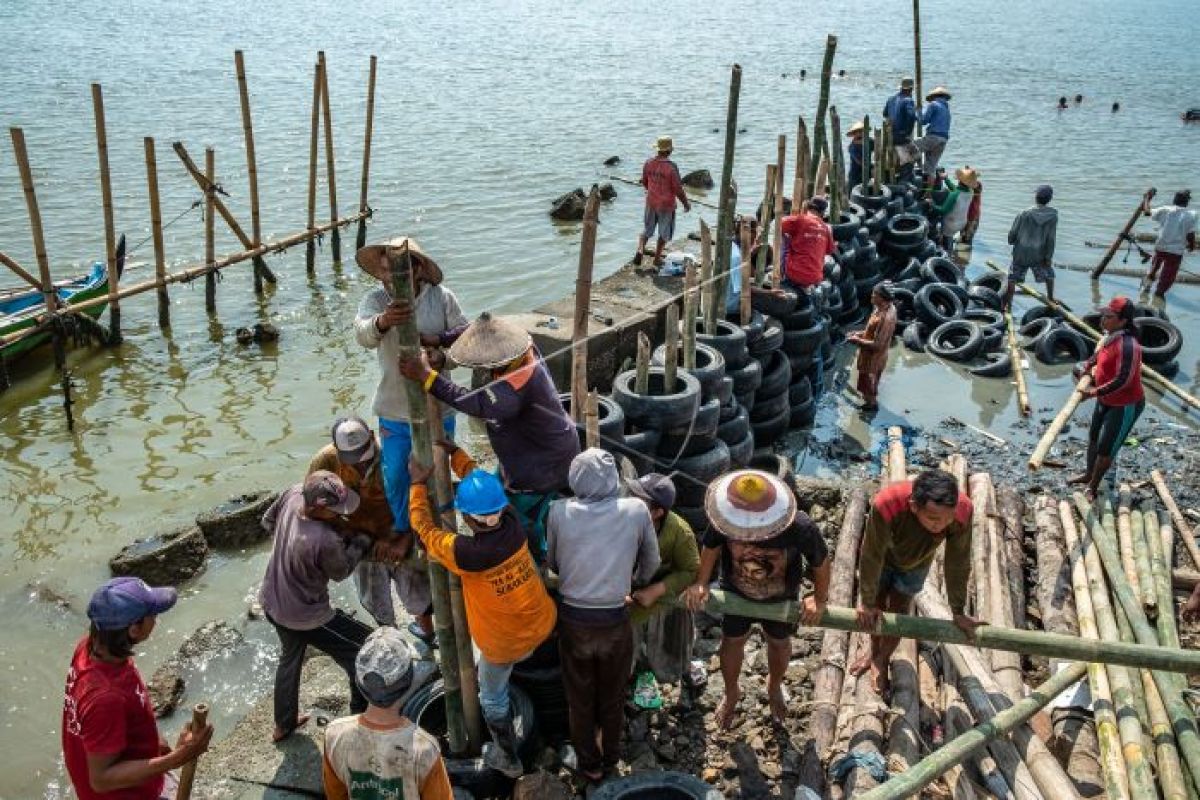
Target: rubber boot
[{"x": 501, "y": 753}]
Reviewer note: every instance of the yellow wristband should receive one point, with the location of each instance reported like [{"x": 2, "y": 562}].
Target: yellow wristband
[{"x": 429, "y": 380}]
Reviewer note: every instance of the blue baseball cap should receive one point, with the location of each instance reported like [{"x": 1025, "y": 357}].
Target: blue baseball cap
[{"x": 121, "y": 602}]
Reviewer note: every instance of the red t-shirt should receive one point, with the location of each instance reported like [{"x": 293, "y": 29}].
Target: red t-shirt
[
  {"x": 661, "y": 178},
  {"x": 1118, "y": 373},
  {"x": 809, "y": 240},
  {"x": 107, "y": 710}
]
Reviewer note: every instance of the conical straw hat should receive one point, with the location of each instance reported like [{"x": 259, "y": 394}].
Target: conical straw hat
[
  {"x": 938, "y": 91},
  {"x": 750, "y": 505},
  {"x": 490, "y": 342},
  {"x": 371, "y": 259}
]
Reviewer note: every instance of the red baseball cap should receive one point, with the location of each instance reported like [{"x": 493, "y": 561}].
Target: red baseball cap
[{"x": 1117, "y": 305}]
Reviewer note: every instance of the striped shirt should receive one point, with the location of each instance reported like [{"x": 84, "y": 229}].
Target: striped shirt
[{"x": 1118, "y": 370}]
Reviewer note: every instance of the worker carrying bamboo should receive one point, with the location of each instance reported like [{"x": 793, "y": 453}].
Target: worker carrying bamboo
[
  {"x": 765, "y": 547},
  {"x": 356, "y": 457},
  {"x": 531, "y": 433},
  {"x": 901, "y": 111},
  {"x": 111, "y": 745},
  {"x": 438, "y": 318},
  {"x": 1116, "y": 370},
  {"x": 1033, "y": 235},
  {"x": 1176, "y": 234},
  {"x": 660, "y": 176},
  {"x": 381, "y": 752},
  {"x": 908, "y": 523},
  {"x": 509, "y": 612}
]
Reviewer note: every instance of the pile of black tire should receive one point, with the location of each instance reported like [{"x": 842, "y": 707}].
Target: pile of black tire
[{"x": 1050, "y": 337}]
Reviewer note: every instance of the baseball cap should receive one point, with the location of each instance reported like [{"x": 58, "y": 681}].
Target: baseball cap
[
  {"x": 818, "y": 204},
  {"x": 121, "y": 602},
  {"x": 907, "y": 83},
  {"x": 383, "y": 668},
  {"x": 1044, "y": 193},
  {"x": 656, "y": 488},
  {"x": 353, "y": 439},
  {"x": 326, "y": 490},
  {"x": 1119, "y": 305}
]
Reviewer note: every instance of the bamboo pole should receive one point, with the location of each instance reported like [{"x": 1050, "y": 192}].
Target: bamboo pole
[
  {"x": 877, "y": 174},
  {"x": 820, "y": 184},
  {"x": 958, "y": 722},
  {"x": 1005, "y": 665},
  {"x": 904, "y": 726},
  {"x": 897, "y": 468},
  {"x": 1058, "y": 423},
  {"x": 1010, "y": 508},
  {"x": 310, "y": 251},
  {"x": 1116, "y": 245},
  {"x": 1141, "y": 559},
  {"x": 210, "y": 245},
  {"x": 591, "y": 419},
  {"x": 1169, "y": 768},
  {"x": 690, "y": 310},
  {"x": 49, "y": 296},
  {"x": 251, "y": 163},
  {"x": 800, "y": 176},
  {"x": 583, "y": 304},
  {"x": 671, "y": 349},
  {"x": 187, "y": 774},
  {"x": 709, "y": 302},
  {"x": 20, "y": 271},
  {"x": 1125, "y": 536},
  {"x": 1055, "y": 600},
  {"x": 641, "y": 382},
  {"x": 726, "y": 201},
  {"x": 866, "y": 729},
  {"x": 837, "y": 171},
  {"x": 160, "y": 258},
  {"x": 335, "y": 240},
  {"x": 764, "y": 231},
  {"x": 1181, "y": 525},
  {"x": 361, "y": 241},
  {"x": 777, "y": 238},
  {"x": 823, "y": 99},
  {"x": 1164, "y": 621},
  {"x": 423, "y": 428},
  {"x": 745, "y": 277},
  {"x": 1018, "y": 365},
  {"x": 110, "y": 234},
  {"x": 1112, "y": 762}
]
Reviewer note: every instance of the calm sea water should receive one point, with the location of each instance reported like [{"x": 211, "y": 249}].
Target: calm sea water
[{"x": 485, "y": 111}]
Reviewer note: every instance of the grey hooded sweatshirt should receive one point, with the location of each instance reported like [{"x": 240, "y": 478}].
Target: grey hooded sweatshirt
[
  {"x": 1032, "y": 236},
  {"x": 598, "y": 542}
]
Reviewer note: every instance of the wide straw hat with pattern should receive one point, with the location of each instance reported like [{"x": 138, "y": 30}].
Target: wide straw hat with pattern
[
  {"x": 490, "y": 342},
  {"x": 750, "y": 505},
  {"x": 371, "y": 259},
  {"x": 967, "y": 176}
]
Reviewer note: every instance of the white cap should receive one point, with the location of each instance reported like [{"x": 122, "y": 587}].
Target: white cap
[
  {"x": 383, "y": 668},
  {"x": 353, "y": 439}
]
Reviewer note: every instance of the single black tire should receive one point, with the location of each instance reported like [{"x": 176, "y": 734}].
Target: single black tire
[
  {"x": 777, "y": 374},
  {"x": 729, "y": 410},
  {"x": 911, "y": 268},
  {"x": 868, "y": 199},
  {"x": 937, "y": 304},
  {"x": 960, "y": 293},
  {"x": 724, "y": 392},
  {"x": 770, "y": 340},
  {"x": 906, "y": 305},
  {"x": 747, "y": 379},
  {"x": 987, "y": 318},
  {"x": 942, "y": 270},
  {"x": 1161, "y": 340},
  {"x": 656, "y": 785},
  {"x": 799, "y": 319},
  {"x": 746, "y": 400},
  {"x": 741, "y": 450},
  {"x": 896, "y": 206},
  {"x": 767, "y": 407},
  {"x": 709, "y": 370},
  {"x": 800, "y": 364},
  {"x": 695, "y": 472},
  {"x": 768, "y": 430},
  {"x": 993, "y": 340},
  {"x": 803, "y": 414},
  {"x": 672, "y": 448},
  {"x": 1168, "y": 370},
  {"x": 753, "y": 329},
  {"x": 736, "y": 428},
  {"x": 805, "y": 342},
  {"x": 846, "y": 227},
  {"x": 612, "y": 420},
  {"x": 641, "y": 448},
  {"x": 999, "y": 365},
  {"x": 915, "y": 250},
  {"x": 915, "y": 336},
  {"x": 694, "y": 436},
  {"x": 1142, "y": 310},
  {"x": 657, "y": 409},
  {"x": 1062, "y": 345},
  {"x": 992, "y": 280},
  {"x": 799, "y": 391},
  {"x": 773, "y": 305},
  {"x": 729, "y": 341},
  {"x": 1033, "y": 332},
  {"x": 1039, "y": 312},
  {"x": 906, "y": 229},
  {"x": 877, "y": 223},
  {"x": 985, "y": 297},
  {"x": 956, "y": 340}
]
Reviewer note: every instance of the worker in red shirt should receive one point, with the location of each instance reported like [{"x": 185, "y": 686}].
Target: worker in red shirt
[
  {"x": 110, "y": 740},
  {"x": 663, "y": 185},
  {"x": 807, "y": 239},
  {"x": 1116, "y": 370}
]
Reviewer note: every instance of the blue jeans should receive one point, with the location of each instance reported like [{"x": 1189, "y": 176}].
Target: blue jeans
[
  {"x": 397, "y": 446},
  {"x": 909, "y": 583},
  {"x": 493, "y": 689}
]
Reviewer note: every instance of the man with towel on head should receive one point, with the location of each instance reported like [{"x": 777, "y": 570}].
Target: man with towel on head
[{"x": 529, "y": 430}]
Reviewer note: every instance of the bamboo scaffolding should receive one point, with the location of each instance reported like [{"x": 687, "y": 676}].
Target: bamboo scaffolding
[
  {"x": 310, "y": 254},
  {"x": 210, "y": 243},
  {"x": 160, "y": 257},
  {"x": 725, "y": 204},
  {"x": 361, "y": 239},
  {"x": 251, "y": 163},
  {"x": 583, "y": 303},
  {"x": 110, "y": 233},
  {"x": 1181, "y": 525},
  {"x": 335, "y": 239},
  {"x": 1018, "y": 365}
]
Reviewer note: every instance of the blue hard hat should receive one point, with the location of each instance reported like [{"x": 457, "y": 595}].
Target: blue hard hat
[{"x": 480, "y": 494}]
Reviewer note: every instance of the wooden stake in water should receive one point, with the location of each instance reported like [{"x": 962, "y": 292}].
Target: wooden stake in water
[
  {"x": 641, "y": 381},
  {"x": 583, "y": 305},
  {"x": 837, "y": 169},
  {"x": 800, "y": 176},
  {"x": 671, "y": 349},
  {"x": 110, "y": 234},
  {"x": 251, "y": 162},
  {"x": 823, "y": 99},
  {"x": 777, "y": 239},
  {"x": 310, "y": 250},
  {"x": 361, "y": 241},
  {"x": 160, "y": 259},
  {"x": 725, "y": 212},
  {"x": 210, "y": 249},
  {"x": 768, "y": 208},
  {"x": 690, "y": 303},
  {"x": 335, "y": 239},
  {"x": 745, "y": 275}
]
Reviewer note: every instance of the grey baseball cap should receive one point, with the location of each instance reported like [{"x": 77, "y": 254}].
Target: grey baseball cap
[
  {"x": 656, "y": 488},
  {"x": 383, "y": 668},
  {"x": 325, "y": 490},
  {"x": 353, "y": 439}
]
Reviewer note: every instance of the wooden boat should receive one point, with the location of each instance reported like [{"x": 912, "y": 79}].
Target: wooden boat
[{"x": 23, "y": 308}]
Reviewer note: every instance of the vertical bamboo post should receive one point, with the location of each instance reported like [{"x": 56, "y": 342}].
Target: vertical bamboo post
[
  {"x": 708, "y": 282},
  {"x": 768, "y": 214},
  {"x": 187, "y": 774},
  {"x": 823, "y": 100},
  {"x": 110, "y": 235},
  {"x": 310, "y": 250},
  {"x": 671, "y": 349},
  {"x": 1018, "y": 365},
  {"x": 591, "y": 420},
  {"x": 49, "y": 297},
  {"x": 725, "y": 203},
  {"x": 917, "y": 56},
  {"x": 469, "y": 687},
  {"x": 800, "y": 176},
  {"x": 689, "y": 315},
  {"x": 886, "y": 154},
  {"x": 819, "y": 185},
  {"x": 746, "y": 276},
  {"x": 837, "y": 169},
  {"x": 210, "y": 216},
  {"x": 641, "y": 382},
  {"x": 868, "y": 154},
  {"x": 251, "y": 163},
  {"x": 878, "y": 158},
  {"x": 777, "y": 238},
  {"x": 361, "y": 241},
  {"x": 335, "y": 239},
  {"x": 583, "y": 304},
  {"x": 422, "y": 450},
  {"x": 160, "y": 260}
]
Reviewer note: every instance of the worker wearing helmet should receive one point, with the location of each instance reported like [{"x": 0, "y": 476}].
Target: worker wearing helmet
[{"x": 508, "y": 610}]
